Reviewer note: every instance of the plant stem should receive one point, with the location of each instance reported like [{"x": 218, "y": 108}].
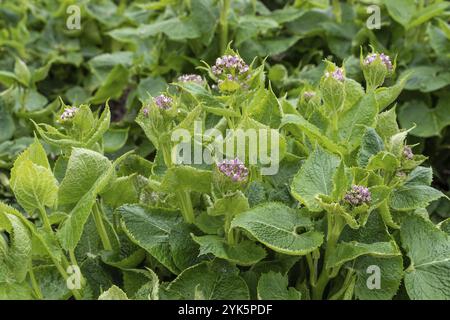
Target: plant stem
[
  {"x": 334, "y": 228},
  {"x": 184, "y": 199},
  {"x": 45, "y": 220},
  {"x": 224, "y": 25},
  {"x": 312, "y": 270},
  {"x": 35, "y": 285},
  {"x": 347, "y": 282},
  {"x": 98, "y": 219}
]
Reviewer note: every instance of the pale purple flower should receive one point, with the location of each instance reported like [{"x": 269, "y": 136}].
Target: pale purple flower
[
  {"x": 337, "y": 74},
  {"x": 145, "y": 111},
  {"x": 358, "y": 195},
  {"x": 163, "y": 101},
  {"x": 228, "y": 63},
  {"x": 384, "y": 58},
  {"x": 407, "y": 153},
  {"x": 234, "y": 169},
  {"x": 68, "y": 113},
  {"x": 190, "y": 78}
]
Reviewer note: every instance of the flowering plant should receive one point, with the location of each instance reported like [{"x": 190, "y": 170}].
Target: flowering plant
[{"x": 349, "y": 193}]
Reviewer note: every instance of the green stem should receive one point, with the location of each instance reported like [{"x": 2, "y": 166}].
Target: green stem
[
  {"x": 224, "y": 25},
  {"x": 98, "y": 219},
  {"x": 343, "y": 289},
  {"x": 35, "y": 285},
  {"x": 334, "y": 228},
  {"x": 312, "y": 270},
  {"x": 184, "y": 198},
  {"x": 45, "y": 220}
]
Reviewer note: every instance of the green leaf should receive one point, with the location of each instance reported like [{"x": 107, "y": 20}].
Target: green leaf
[
  {"x": 113, "y": 293},
  {"x": 372, "y": 235},
  {"x": 113, "y": 85},
  {"x": 383, "y": 160},
  {"x": 274, "y": 286},
  {"x": 315, "y": 178},
  {"x": 150, "y": 228},
  {"x": 229, "y": 205},
  {"x": 174, "y": 28},
  {"x": 16, "y": 291},
  {"x": 428, "y": 276},
  {"x": 353, "y": 122},
  {"x": 52, "y": 284},
  {"x": 114, "y": 139},
  {"x": 245, "y": 253},
  {"x": 401, "y": 11},
  {"x": 186, "y": 178},
  {"x": 297, "y": 125},
  {"x": 214, "y": 280},
  {"x": 16, "y": 259},
  {"x": 387, "y": 95},
  {"x": 71, "y": 230},
  {"x": 413, "y": 196},
  {"x": 347, "y": 251},
  {"x": 391, "y": 274},
  {"x": 429, "y": 122},
  {"x": 371, "y": 144},
  {"x": 22, "y": 72},
  {"x": 121, "y": 191},
  {"x": 265, "y": 108},
  {"x": 387, "y": 124},
  {"x": 34, "y": 186},
  {"x": 84, "y": 169},
  {"x": 287, "y": 232},
  {"x": 427, "y": 78}
]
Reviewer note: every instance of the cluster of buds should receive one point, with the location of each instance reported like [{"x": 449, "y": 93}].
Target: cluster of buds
[
  {"x": 229, "y": 64},
  {"x": 234, "y": 169},
  {"x": 384, "y": 58},
  {"x": 376, "y": 67},
  {"x": 163, "y": 102},
  {"x": 407, "y": 153},
  {"x": 232, "y": 73},
  {"x": 358, "y": 195},
  {"x": 190, "y": 78},
  {"x": 337, "y": 74},
  {"x": 68, "y": 113}
]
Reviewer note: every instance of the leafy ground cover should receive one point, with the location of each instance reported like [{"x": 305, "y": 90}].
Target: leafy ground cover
[{"x": 93, "y": 205}]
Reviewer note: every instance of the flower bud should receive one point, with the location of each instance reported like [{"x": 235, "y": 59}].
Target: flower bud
[
  {"x": 358, "y": 195},
  {"x": 332, "y": 87},
  {"x": 376, "y": 67},
  {"x": 232, "y": 73},
  {"x": 163, "y": 102},
  {"x": 68, "y": 114},
  {"x": 407, "y": 153},
  {"x": 195, "y": 78}
]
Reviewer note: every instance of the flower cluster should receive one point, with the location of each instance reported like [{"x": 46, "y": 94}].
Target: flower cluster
[
  {"x": 384, "y": 58},
  {"x": 358, "y": 195},
  {"x": 228, "y": 63},
  {"x": 337, "y": 74},
  {"x": 163, "y": 101},
  {"x": 407, "y": 153},
  {"x": 190, "y": 78},
  {"x": 68, "y": 113},
  {"x": 234, "y": 169}
]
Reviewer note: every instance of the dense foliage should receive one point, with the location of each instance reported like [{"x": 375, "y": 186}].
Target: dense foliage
[{"x": 89, "y": 182}]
